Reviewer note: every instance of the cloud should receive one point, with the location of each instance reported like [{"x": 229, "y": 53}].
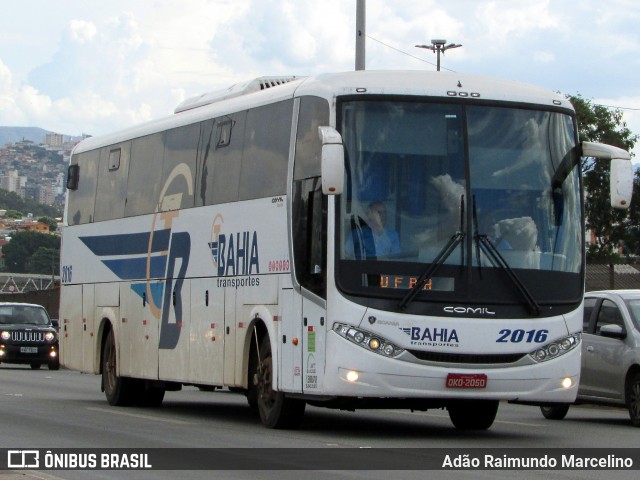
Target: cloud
[
  {"x": 81, "y": 31},
  {"x": 121, "y": 62},
  {"x": 286, "y": 37}
]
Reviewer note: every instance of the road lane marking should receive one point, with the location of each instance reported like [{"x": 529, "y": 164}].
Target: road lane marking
[{"x": 114, "y": 411}]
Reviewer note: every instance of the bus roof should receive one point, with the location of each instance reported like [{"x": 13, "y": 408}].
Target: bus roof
[{"x": 364, "y": 82}]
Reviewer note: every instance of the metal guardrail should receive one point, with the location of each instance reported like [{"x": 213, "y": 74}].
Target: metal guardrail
[{"x": 26, "y": 282}]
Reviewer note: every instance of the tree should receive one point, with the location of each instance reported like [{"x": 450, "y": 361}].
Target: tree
[
  {"x": 11, "y": 201},
  {"x": 597, "y": 123},
  {"x": 53, "y": 225},
  {"x": 23, "y": 245}
]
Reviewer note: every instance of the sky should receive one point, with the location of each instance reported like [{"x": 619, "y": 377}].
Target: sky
[{"x": 95, "y": 66}]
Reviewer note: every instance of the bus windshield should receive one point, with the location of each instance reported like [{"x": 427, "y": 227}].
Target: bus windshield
[{"x": 464, "y": 191}]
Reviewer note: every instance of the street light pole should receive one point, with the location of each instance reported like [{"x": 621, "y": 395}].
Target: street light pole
[
  {"x": 438, "y": 46},
  {"x": 361, "y": 25}
]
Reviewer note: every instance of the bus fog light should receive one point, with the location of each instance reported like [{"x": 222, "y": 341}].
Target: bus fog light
[
  {"x": 567, "y": 382},
  {"x": 352, "y": 376}
]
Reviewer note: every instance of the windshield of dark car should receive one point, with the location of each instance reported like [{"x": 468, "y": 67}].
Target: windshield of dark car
[{"x": 23, "y": 315}]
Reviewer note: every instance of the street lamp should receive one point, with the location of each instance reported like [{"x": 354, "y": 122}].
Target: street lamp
[{"x": 438, "y": 46}]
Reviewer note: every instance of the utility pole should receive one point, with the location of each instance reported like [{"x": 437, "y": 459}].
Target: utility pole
[
  {"x": 438, "y": 46},
  {"x": 361, "y": 21}
]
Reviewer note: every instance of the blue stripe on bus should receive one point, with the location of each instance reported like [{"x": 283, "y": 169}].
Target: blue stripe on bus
[
  {"x": 128, "y": 243},
  {"x": 136, "y": 268},
  {"x": 156, "y": 289}
]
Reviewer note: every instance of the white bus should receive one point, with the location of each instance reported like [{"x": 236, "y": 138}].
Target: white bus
[{"x": 352, "y": 240}]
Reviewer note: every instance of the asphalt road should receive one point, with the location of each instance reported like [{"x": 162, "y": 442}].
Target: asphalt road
[{"x": 64, "y": 409}]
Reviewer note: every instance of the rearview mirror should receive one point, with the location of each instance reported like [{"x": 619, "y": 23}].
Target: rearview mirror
[
  {"x": 613, "y": 331},
  {"x": 332, "y": 162},
  {"x": 621, "y": 177},
  {"x": 73, "y": 175}
]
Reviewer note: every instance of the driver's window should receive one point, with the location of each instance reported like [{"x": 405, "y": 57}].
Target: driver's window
[{"x": 609, "y": 314}]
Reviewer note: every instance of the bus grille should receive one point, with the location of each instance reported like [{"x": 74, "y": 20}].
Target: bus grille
[
  {"x": 467, "y": 358},
  {"x": 22, "y": 336}
]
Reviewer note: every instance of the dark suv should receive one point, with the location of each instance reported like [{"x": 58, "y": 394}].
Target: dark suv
[{"x": 27, "y": 335}]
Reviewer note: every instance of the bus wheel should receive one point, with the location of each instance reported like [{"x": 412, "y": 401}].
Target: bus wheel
[
  {"x": 149, "y": 395},
  {"x": 633, "y": 400},
  {"x": 473, "y": 414},
  {"x": 276, "y": 410},
  {"x": 119, "y": 391},
  {"x": 555, "y": 412}
]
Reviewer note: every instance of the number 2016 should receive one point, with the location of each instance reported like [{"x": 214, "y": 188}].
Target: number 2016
[{"x": 517, "y": 336}]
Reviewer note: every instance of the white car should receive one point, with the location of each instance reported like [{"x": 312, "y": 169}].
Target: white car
[{"x": 610, "y": 373}]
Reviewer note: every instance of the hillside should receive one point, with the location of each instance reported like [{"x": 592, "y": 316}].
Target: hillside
[{"x": 17, "y": 134}]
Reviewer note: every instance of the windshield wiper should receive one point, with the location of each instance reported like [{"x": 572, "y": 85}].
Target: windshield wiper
[
  {"x": 442, "y": 256},
  {"x": 496, "y": 258},
  {"x": 484, "y": 243}
]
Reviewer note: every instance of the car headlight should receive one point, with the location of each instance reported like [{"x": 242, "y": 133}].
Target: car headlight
[
  {"x": 556, "y": 348},
  {"x": 5, "y": 335},
  {"x": 367, "y": 340},
  {"x": 49, "y": 336}
]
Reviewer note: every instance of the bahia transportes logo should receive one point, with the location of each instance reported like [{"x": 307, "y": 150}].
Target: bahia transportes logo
[
  {"x": 234, "y": 254},
  {"x": 432, "y": 337}
]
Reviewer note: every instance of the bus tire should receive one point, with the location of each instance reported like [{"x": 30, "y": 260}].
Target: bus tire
[
  {"x": 473, "y": 414},
  {"x": 555, "y": 412},
  {"x": 275, "y": 408},
  {"x": 149, "y": 395},
  {"x": 119, "y": 391}
]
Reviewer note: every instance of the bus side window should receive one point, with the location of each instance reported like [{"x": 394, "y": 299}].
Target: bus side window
[
  {"x": 113, "y": 173},
  {"x": 82, "y": 200},
  {"x": 310, "y": 234},
  {"x": 145, "y": 173},
  {"x": 265, "y": 156},
  {"x": 179, "y": 167},
  {"x": 309, "y": 205},
  {"x": 222, "y": 158}
]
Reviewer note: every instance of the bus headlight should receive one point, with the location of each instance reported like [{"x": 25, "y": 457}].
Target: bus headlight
[
  {"x": 367, "y": 340},
  {"x": 556, "y": 349}
]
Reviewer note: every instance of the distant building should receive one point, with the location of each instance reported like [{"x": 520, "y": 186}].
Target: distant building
[
  {"x": 10, "y": 181},
  {"x": 54, "y": 140}
]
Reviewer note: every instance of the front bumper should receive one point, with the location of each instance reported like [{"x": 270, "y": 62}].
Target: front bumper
[
  {"x": 29, "y": 354},
  {"x": 384, "y": 377}
]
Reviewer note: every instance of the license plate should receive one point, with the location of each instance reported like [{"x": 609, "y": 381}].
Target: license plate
[
  {"x": 466, "y": 380},
  {"x": 28, "y": 349}
]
